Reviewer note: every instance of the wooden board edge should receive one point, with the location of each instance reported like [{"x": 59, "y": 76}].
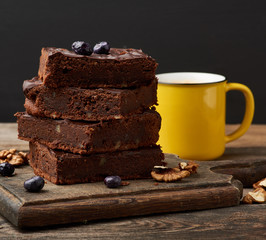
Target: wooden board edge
[
  {"x": 238, "y": 185},
  {"x": 9, "y": 206},
  {"x": 128, "y": 205},
  {"x": 248, "y": 172}
]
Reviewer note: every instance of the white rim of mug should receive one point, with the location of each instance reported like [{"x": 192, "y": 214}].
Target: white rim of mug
[{"x": 221, "y": 78}]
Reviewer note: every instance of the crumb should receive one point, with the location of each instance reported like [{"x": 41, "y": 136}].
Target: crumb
[{"x": 124, "y": 183}]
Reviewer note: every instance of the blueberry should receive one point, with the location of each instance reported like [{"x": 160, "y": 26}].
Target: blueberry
[
  {"x": 101, "y": 48},
  {"x": 6, "y": 169},
  {"x": 34, "y": 184},
  {"x": 112, "y": 181},
  {"x": 82, "y": 48}
]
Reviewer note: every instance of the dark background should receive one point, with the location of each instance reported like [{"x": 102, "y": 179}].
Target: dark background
[{"x": 219, "y": 36}]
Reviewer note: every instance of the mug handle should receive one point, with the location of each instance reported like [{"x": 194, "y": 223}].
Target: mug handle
[{"x": 249, "y": 111}]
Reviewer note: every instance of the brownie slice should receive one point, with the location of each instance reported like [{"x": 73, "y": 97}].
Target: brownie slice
[
  {"x": 121, "y": 68},
  {"x": 86, "y": 104},
  {"x": 90, "y": 137},
  {"x": 61, "y": 167}
]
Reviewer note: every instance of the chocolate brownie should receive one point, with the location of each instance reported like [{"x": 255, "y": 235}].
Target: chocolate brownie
[
  {"x": 86, "y": 104},
  {"x": 90, "y": 137},
  {"x": 121, "y": 68},
  {"x": 61, "y": 167}
]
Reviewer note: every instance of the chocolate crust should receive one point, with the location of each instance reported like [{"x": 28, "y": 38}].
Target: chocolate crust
[
  {"x": 66, "y": 168},
  {"x": 121, "y": 68},
  {"x": 86, "y": 104},
  {"x": 91, "y": 137}
]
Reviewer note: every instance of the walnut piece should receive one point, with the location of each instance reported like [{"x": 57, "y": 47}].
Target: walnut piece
[
  {"x": 168, "y": 174},
  {"x": 258, "y": 195},
  {"x": 191, "y": 166},
  {"x": 3, "y": 154},
  {"x": 162, "y": 173},
  {"x": 247, "y": 199},
  {"x": 13, "y": 158}
]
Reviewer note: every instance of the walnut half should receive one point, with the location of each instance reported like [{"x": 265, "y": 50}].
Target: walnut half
[
  {"x": 12, "y": 157},
  {"x": 161, "y": 173}
]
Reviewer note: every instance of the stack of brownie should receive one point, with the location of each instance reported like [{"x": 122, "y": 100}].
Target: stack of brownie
[{"x": 88, "y": 117}]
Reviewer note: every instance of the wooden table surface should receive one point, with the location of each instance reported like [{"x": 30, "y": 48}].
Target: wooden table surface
[{"x": 239, "y": 222}]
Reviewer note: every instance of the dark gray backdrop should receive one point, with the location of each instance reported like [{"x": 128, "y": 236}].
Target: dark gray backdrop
[{"x": 219, "y": 36}]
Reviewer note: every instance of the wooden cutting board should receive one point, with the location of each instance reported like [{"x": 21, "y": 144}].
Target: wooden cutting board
[{"x": 57, "y": 204}]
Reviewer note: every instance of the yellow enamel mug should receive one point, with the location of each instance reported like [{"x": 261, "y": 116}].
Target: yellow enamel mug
[{"x": 193, "y": 106}]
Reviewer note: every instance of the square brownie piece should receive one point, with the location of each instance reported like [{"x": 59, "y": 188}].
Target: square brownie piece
[
  {"x": 84, "y": 137},
  {"x": 61, "y": 167},
  {"x": 86, "y": 104},
  {"x": 121, "y": 68}
]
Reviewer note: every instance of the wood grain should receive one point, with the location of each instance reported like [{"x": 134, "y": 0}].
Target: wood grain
[
  {"x": 239, "y": 222},
  {"x": 254, "y": 137},
  {"x": 9, "y": 137}
]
